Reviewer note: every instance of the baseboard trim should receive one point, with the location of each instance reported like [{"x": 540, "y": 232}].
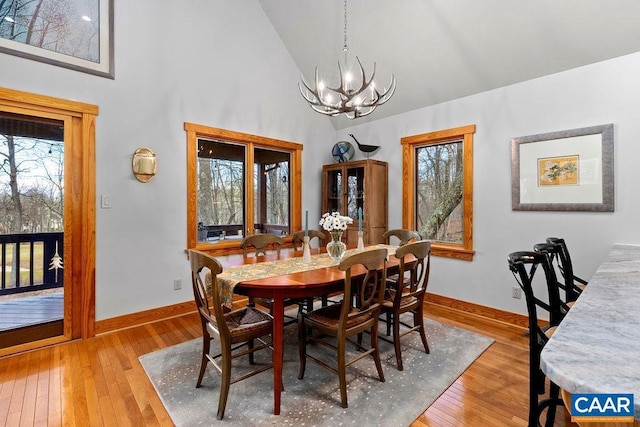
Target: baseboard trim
[
  {"x": 142, "y": 317},
  {"x": 503, "y": 316},
  {"x": 180, "y": 309},
  {"x": 152, "y": 315}
]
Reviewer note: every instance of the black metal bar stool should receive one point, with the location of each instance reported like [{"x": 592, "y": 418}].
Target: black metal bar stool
[{"x": 524, "y": 265}]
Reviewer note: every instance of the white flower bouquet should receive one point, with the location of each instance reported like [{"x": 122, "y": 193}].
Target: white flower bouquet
[{"x": 334, "y": 221}]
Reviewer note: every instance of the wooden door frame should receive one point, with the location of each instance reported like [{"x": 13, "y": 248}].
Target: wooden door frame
[{"x": 79, "y": 208}]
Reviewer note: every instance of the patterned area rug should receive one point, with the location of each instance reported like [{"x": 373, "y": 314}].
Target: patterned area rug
[{"x": 315, "y": 400}]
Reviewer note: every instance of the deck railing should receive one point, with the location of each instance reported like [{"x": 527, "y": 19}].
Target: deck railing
[{"x": 31, "y": 262}]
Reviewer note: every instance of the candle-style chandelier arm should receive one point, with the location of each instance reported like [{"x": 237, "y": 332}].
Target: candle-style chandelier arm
[{"x": 354, "y": 103}]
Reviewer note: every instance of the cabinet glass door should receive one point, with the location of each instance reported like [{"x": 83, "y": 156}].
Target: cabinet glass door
[
  {"x": 334, "y": 191},
  {"x": 355, "y": 191}
]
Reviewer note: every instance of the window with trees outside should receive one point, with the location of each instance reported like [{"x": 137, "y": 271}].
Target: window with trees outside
[
  {"x": 239, "y": 184},
  {"x": 438, "y": 189}
]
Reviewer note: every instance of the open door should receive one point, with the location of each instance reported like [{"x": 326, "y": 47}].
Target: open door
[{"x": 47, "y": 260}]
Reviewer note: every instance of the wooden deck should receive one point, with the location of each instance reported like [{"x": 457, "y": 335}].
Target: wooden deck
[{"x": 22, "y": 311}]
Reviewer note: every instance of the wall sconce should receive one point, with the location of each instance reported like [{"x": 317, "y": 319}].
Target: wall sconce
[{"x": 144, "y": 164}]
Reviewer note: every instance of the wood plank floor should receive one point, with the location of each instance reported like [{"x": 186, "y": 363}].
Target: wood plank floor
[
  {"x": 25, "y": 310},
  {"x": 99, "y": 381}
]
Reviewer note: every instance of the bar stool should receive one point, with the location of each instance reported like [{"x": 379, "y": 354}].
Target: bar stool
[
  {"x": 565, "y": 266},
  {"x": 552, "y": 252},
  {"x": 524, "y": 265}
]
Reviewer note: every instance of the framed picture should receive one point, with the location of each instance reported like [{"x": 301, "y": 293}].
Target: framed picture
[
  {"x": 75, "y": 34},
  {"x": 571, "y": 170}
]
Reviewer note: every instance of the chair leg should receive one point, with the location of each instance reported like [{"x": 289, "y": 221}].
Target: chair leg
[
  {"x": 376, "y": 353},
  {"x": 302, "y": 345},
  {"x": 396, "y": 340},
  {"x": 554, "y": 392},
  {"x": 225, "y": 382},
  {"x": 418, "y": 319},
  {"x": 206, "y": 345},
  {"x": 342, "y": 374},
  {"x": 388, "y": 323},
  {"x": 250, "y": 348}
]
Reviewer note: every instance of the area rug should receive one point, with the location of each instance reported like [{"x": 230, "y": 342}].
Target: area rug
[{"x": 315, "y": 400}]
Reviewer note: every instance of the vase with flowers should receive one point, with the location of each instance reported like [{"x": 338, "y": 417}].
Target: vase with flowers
[{"x": 335, "y": 224}]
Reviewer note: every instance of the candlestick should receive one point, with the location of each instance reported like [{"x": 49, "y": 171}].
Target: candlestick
[
  {"x": 360, "y": 241},
  {"x": 359, "y": 219},
  {"x": 306, "y": 222},
  {"x": 306, "y": 249}
]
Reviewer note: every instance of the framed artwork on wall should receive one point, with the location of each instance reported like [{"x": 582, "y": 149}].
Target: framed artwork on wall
[
  {"x": 570, "y": 170},
  {"x": 75, "y": 34}
]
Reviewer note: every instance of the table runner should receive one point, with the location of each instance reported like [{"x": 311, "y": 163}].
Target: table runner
[{"x": 231, "y": 276}]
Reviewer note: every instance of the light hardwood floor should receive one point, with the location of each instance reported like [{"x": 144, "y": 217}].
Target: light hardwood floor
[{"x": 99, "y": 381}]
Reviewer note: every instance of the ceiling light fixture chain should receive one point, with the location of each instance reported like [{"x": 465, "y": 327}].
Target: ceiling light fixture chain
[{"x": 346, "y": 98}]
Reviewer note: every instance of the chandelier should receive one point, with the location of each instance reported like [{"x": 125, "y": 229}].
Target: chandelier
[{"x": 354, "y": 97}]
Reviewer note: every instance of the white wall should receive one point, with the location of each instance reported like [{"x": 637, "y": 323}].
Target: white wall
[
  {"x": 215, "y": 63},
  {"x": 601, "y": 93},
  {"x": 220, "y": 63}
]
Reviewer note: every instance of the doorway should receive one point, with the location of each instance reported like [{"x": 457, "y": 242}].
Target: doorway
[{"x": 47, "y": 260}]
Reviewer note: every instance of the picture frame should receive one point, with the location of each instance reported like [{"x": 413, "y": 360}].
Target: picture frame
[
  {"x": 569, "y": 170},
  {"x": 66, "y": 33}
]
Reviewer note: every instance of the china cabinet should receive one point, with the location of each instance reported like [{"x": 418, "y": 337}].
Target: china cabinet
[{"x": 362, "y": 184}]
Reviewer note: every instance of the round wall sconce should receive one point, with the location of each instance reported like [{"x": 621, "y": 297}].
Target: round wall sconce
[{"x": 144, "y": 164}]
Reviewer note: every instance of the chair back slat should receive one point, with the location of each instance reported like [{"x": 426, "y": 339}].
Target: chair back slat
[
  {"x": 204, "y": 273},
  {"x": 298, "y": 236},
  {"x": 419, "y": 268}
]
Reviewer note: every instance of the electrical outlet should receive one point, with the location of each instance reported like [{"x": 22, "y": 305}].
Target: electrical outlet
[
  {"x": 177, "y": 284},
  {"x": 516, "y": 292}
]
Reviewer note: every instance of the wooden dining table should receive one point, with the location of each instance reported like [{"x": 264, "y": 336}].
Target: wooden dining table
[{"x": 305, "y": 284}]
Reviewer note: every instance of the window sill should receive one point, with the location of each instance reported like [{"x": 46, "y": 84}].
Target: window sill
[{"x": 451, "y": 251}]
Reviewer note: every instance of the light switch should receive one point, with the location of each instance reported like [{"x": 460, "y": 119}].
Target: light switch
[{"x": 105, "y": 202}]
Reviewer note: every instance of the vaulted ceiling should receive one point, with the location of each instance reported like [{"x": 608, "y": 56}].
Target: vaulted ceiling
[{"x": 440, "y": 50}]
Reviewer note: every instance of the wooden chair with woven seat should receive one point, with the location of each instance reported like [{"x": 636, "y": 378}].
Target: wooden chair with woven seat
[
  {"x": 261, "y": 244},
  {"x": 297, "y": 238},
  {"x": 415, "y": 259},
  {"x": 400, "y": 236},
  {"x": 403, "y": 236},
  {"x": 233, "y": 329},
  {"x": 524, "y": 265},
  {"x": 352, "y": 316}
]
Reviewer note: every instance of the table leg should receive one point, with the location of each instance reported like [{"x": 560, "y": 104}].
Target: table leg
[{"x": 278, "y": 329}]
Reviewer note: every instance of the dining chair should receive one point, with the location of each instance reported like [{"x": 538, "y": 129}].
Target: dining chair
[
  {"x": 563, "y": 261},
  {"x": 402, "y": 237},
  {"x": 297, "y": 238},
  {"x": 415, "y": 263},
  {"x": 261, "y": 244},
  {"x": 357, "y": 312},
  {"x": 233, "y": 329},
  {"x": 523, "y": 266}
]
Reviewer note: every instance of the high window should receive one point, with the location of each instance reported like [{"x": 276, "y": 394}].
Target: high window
[{"x": 438, "y": 189}]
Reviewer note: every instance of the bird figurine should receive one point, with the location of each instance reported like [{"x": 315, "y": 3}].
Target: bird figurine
[{"x": 366, "y": 149}]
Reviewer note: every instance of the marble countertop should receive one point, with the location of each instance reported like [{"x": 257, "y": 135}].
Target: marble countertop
[{"x": 596, "y": 348}]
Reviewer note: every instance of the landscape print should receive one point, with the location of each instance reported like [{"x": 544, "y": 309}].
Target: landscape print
[{"x": 558, "y": 170}]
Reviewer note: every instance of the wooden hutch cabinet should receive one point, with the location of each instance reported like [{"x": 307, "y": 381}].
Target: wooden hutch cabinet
[{"x": 359, "y": 184}]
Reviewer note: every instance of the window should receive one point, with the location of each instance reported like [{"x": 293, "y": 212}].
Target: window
[
  {"x": 239, "y": 184},
  {"x": 438, "y": 189}
]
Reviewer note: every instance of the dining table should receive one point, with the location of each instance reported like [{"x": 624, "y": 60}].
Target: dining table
[
  {"x": 284, "y": 277},
  {"x": 595, "y": 348}
]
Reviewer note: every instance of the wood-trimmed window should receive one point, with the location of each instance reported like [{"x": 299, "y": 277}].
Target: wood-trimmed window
[
  {"x": 446, "y": 158},
  {"x": 259, "y": 163}
]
